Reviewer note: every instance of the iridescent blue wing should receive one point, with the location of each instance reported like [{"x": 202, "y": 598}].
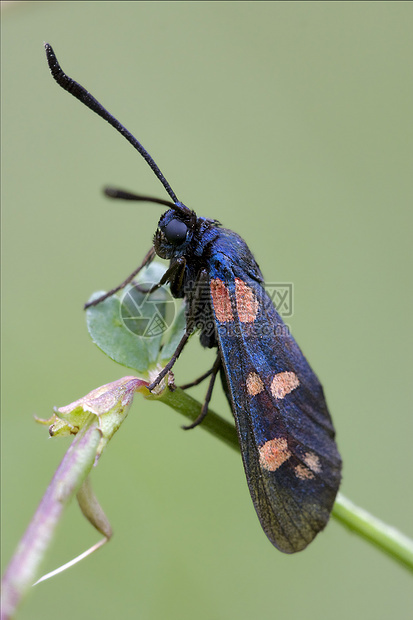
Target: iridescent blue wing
[{"x": 284, "y": 427}]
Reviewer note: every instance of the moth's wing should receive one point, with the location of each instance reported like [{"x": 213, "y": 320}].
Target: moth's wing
[{"x": 284, "y": 427}]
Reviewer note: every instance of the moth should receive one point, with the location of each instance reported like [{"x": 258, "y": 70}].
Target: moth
[{"x": 285, "y": 431}]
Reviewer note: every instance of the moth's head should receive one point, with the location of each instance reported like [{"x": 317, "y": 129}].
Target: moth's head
[{"x": 175, "y": 232}]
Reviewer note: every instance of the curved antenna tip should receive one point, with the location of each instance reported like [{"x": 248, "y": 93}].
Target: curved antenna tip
[
  {"x": 111, "y": 192},
  {"x": 80, "y": 93}
]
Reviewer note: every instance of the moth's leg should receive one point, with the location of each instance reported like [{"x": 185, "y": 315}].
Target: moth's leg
[
  {"x": 176, "y": 270},
  {"x": 146, "y": 261},
  {"x": 214, "y": 371},
  {"x": 190, "y": 324},
  {"x": 197, "y": 381},
  {"x": 172, "y": 361}
]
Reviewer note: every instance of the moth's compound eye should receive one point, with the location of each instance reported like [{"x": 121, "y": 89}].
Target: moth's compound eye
[{"x": 175, "y": 231}]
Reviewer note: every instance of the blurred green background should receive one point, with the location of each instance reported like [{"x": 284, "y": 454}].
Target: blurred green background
[{"x": 292, "y": 124}]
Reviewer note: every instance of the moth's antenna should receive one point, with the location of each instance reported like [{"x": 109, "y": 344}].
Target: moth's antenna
[
  {"x": 113, "y": 192},
  {"x": 88, "y": 100}
]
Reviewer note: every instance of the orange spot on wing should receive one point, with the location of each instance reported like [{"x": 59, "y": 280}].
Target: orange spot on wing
[
  {"x": 254, "y": 384},
  {"x": 274, "y": 453},
  {"x": 284, "y": 383},
  {"x": 303, "y": 473},
  {"x": 247, "y": 303},
  {"x": 221, "y": 301},
  {"x": 312, "y": 461}
]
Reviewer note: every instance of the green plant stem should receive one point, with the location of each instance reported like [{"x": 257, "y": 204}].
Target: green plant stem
[
  {"x": 191, "y": 408},
  {"x": 385, "y": 537},
  {"x": 78, "y": 461},
  {"x": 31, "y": 550}
]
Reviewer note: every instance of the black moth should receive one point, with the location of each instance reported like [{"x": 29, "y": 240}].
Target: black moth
[{"x": 283, "y": 424}]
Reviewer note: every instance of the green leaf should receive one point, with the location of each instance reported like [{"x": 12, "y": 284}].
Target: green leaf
[
  {"x": 109, "y": 333},
  {"x": 130, "y": 326}
]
